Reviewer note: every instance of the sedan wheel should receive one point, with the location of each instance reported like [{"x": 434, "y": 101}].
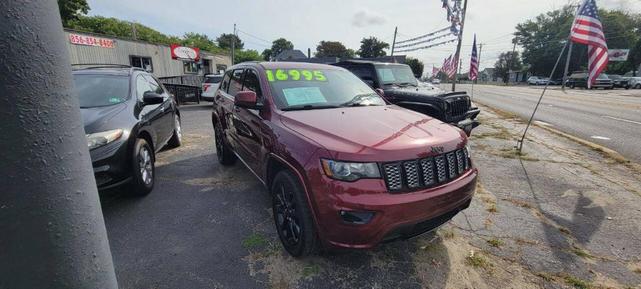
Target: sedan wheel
[
  {"x": 144, "y": 169},
  {"x": 177, "y": 136}
]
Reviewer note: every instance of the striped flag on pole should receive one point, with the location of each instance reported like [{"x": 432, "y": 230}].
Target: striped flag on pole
[
  {"x": 587, "y": 29},
  {"x": 446, "y": 65},
  {"x": 474, "y": 62},
  {"x": 453, "y": 67}
]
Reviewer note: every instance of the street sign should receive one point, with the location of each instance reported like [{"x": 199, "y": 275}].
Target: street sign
[{"x": 618, "y": 54}]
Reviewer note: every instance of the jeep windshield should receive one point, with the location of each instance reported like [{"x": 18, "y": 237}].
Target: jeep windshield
[
  {"x": 400, "y": 75},
  {"x": 303, "y": 89}
]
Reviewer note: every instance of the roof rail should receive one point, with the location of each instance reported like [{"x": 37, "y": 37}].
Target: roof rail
[{"x": 106, "y": 66}]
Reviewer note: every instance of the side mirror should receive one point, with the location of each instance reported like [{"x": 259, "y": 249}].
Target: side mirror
[
  {"x": 380, "y": 92},
  {"x": 246, "y": 99},
  {"x": 152, "y": 98}
]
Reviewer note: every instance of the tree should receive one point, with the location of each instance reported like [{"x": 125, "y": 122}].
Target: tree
[
  {"x": 247, "y": 55},
  {"x": 507, "y": 62},
  {"x": 200, "y": 41},
  {"x": 372, "y": 47},
  {"x": 267, "y": 54},
  {"x": 416, "y": 66},
  {"x": 224, "y": 41},
  {"x": 279, "y": 45},
  {"x": 72, "y": 9},
  {"x": 543, "y": 38},
  {"x": 333, "y": 49}
]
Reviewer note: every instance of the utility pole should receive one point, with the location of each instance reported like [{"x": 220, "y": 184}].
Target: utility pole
[
  {"x": 509, "y": 63},
  {"x": 479, "y": 61},
  {"x": 458, "y": 46},
  {"x": 53, "y": 231},
  {"x": 134, "y": 32},
  {"x": 394, "y": 42},
  {"x": 233, "y": 46}
]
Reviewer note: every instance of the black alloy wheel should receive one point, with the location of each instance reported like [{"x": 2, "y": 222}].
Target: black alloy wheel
[
  {"x": 223, "y": 152},
  {"x": 292, "y": 216}
]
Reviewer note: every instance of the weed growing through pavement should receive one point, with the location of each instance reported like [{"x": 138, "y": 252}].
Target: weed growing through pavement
[
  {"x": 576, "y": 282},
  {"x": 496, "y": 243},
  {"x": 311, "y": 270},
  {"x": 580, "y": 252},
  {"x": 254, "y": 240},
  {"x": 477, "y": 260}
]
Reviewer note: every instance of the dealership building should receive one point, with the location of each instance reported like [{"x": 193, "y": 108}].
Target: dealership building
[{"x": 162, "y": 60}]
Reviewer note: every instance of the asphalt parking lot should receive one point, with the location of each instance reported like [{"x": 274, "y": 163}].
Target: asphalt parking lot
[{"x": 560, "y": 216}]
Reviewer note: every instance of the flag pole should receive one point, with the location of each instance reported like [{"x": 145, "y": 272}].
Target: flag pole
[
  {"x": 520, "y": 142},
  {"x": 458, "y": 46},
  {"x": 567, "y": 66}
]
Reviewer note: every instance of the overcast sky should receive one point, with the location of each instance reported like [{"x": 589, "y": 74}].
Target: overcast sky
[{"x": 306, "y": 23}]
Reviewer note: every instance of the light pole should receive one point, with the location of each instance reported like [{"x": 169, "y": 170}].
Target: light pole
[{"x": 51, "y": 225}]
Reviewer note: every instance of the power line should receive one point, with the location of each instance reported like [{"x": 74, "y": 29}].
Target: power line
[{"x": 254, "y": 36}]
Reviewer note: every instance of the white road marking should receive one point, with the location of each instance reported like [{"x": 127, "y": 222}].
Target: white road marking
[
  {"x": 621, "y": 119},
  {"x": 600, "y": 137},
  {"x": 543, "y": 123}
]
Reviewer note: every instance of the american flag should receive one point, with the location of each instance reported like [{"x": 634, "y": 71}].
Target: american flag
[
  {"x": 474, "y": 62},
  {"x": 446, "y": 65},
  {"x": 452, "y": 67},
  {"x": 587, "y": 29}
]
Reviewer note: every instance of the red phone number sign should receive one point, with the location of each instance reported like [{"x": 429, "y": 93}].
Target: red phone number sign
[{"x": 91, "y": 41}]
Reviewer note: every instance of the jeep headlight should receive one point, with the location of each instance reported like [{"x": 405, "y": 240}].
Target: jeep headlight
[
  {"x": 345, "y": 171},
  {"x": 96, "y": 140}
]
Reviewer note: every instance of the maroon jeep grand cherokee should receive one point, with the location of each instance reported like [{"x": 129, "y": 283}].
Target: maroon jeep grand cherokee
[{"x": 344, "y": 167}]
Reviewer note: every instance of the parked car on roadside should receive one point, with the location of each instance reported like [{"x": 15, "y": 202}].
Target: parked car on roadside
[
  {"x": 128, "y": 117},
  {"x": 580, "y": 79},
  {"x": 345, "y": 168},
  {"x": 538, "y": 80},
  {"x": 635, "y": 82},
  {"x": 436, "y": 81},
  {"x": 209, "y": 86},
  {"x": 400, "y": 87},
  {"x": 619, "y": 81}
]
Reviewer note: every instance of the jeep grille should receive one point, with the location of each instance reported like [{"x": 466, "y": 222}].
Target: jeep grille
[{"x": 412, "y": 175}]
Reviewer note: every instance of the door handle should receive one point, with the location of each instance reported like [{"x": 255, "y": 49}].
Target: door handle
[{"x": 162, "y": 109}]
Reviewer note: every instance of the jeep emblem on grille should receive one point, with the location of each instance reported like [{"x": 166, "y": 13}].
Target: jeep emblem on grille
[{"x": 438, "y": 150}]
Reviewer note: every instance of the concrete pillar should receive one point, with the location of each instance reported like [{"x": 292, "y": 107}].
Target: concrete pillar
[{"x": 52, "y": 233}]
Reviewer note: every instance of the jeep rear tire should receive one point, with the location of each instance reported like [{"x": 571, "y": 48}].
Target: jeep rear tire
[
  {"x": 292, "y": 216},
  {"x": 223, "y": 152}
]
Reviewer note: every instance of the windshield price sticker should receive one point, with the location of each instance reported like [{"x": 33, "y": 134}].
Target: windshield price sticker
[{"x": 295, "y": 75}]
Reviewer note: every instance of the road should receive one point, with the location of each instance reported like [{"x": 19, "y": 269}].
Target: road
[{"x": 611, "y": 118}]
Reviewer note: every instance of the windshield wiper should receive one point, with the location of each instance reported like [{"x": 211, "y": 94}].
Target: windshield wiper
[
  {"x": 309, "y": 107},
  {"x": 406, "y": 84},
  {"x": 358, "y": 99}
]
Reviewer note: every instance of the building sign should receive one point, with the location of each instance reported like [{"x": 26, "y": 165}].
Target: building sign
[
  {"x": 618, "y": 54},
  {"x": 91, "y": 41},
  {"x": 184, "y": 53}
]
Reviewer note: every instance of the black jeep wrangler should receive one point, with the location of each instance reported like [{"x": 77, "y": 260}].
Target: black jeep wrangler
[{"x": 401, "y": 88}]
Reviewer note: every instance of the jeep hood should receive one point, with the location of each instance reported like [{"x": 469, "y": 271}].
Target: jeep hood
[
  {"x": 419, "y": 90},
  {"x": 374, "y": 133}
]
